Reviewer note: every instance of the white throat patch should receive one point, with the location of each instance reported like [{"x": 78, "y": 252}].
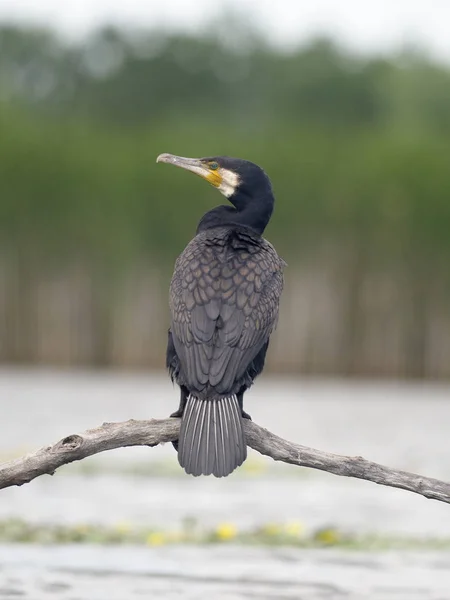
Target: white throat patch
[{"x": 230, "y": 182}]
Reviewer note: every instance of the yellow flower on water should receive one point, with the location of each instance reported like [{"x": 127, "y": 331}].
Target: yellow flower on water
[
  {"x": 122, "y": 527},
  {"x": 328, "y": 536},
  {"x": 82, "y": 528},
  {"x": 255, "y": 467},
  {"x": 156, "y": 538},
  {"x": 226, "y": 531},
  {"x": 271, "y": 529},
  {"x": 294, "y": 528}
]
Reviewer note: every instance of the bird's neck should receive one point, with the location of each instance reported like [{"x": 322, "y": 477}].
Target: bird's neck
[{"x": 251, "y": 213}]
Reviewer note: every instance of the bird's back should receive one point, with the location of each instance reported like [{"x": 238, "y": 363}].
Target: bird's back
[{"x": 224, "y": 299}]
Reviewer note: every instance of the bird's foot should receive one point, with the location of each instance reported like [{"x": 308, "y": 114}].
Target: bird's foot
[{"x": 246, "y": 415}]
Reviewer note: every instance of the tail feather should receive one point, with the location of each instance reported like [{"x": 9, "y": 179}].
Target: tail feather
[{"x": 211, "y": 440}]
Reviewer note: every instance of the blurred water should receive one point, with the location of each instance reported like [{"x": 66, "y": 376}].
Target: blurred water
[
  {"x": 231, "y": 573},
  {"x": 402, "y": 425}
]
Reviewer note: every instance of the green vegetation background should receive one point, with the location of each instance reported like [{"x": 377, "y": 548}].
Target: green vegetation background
[{"x": 355, "y": 147}]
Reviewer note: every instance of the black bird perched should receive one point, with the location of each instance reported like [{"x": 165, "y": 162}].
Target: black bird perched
[{"x": 224, "y": 298}]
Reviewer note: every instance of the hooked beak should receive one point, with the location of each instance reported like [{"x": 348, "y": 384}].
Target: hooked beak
[{"x": 195, "y": 165}]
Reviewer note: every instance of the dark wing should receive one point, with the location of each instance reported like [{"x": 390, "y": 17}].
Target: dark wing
[{"x": 223, "y": 312}]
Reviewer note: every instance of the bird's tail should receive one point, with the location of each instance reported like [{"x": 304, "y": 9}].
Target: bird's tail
[{"x": 212, "y": 440}]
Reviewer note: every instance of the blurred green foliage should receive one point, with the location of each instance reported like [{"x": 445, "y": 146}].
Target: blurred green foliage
[{"x": 357, "y": 149}]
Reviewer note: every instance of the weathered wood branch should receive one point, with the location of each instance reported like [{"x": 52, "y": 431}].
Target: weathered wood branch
[{"x": 151, "y": 433}]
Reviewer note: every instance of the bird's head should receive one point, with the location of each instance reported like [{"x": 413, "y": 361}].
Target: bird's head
[{"x": 245, "y": 184}]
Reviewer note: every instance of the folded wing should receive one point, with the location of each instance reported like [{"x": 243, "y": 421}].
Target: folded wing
[{"x": 224, "y": 305}]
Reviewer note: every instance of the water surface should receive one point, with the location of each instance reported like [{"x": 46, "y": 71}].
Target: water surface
[{"x": 401, "y": 425}]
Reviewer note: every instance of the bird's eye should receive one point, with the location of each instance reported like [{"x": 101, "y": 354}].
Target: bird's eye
[{"x": 213, "y": 166}]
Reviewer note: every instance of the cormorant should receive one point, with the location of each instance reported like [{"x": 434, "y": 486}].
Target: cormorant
[{"x": 224, "y": 298}]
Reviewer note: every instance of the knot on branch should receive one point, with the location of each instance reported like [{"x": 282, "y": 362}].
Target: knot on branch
[{"x": 71, "y": 442}]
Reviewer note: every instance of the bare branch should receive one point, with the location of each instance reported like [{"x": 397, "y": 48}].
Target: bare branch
[
  {"x": 267, "y": 443},
  {"x": 151, "y": 433}
]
